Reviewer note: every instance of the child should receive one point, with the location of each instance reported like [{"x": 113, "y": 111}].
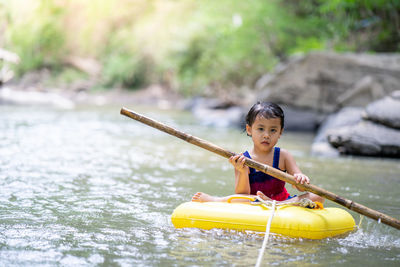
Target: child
[{"x": 264, "y": 124}]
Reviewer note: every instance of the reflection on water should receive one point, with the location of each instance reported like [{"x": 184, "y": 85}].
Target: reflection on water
[{"x": 88, "y": 187}]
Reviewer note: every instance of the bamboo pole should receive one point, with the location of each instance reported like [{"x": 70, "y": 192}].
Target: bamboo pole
[{"x": 376, "y": 215}]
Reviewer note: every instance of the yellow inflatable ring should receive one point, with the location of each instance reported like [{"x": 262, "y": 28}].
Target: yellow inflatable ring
[{"x": 288, "y": 220}]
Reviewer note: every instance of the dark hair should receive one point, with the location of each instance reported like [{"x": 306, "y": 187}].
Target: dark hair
[{"x": 268, "y": 110}]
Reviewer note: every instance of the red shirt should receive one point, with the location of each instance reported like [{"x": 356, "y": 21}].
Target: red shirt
[{"x": 270, "y": 186}]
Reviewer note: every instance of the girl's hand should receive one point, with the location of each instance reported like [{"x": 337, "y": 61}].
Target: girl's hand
[
  {"x": 301, "y": 178},
  {"x": 238, "y": 162}
]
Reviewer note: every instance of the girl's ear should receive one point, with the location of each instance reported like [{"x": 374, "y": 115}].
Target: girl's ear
[
  {"x": 281, "y": 133},
  {"x": 248, "y": 130}
]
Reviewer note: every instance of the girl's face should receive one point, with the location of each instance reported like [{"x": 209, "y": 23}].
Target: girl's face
[{"x": 265, "y": 132}]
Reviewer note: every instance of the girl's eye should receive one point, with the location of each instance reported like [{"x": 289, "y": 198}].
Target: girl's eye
[
  {"x": 273, "y": 130},
  {"x": 261, "y": 129}
]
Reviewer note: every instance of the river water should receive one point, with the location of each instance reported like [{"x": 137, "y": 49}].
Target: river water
[{"x": 91, "y": 187}]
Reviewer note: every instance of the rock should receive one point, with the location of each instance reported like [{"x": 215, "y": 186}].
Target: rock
[
  {"x": 32, "y": 81},
  {"x": 90, "y": 66},
  {"x": 17, "y": 97},
  {"x": 215, "y": 112},
  {"x": 220, "y": 113},
  {"x": 326, "y": 82},
  {"x": 303, "y": 120},
  {"x": 360, "y": 131},
  {"x": 229, "y": 117},
  {"x": 396, "y": 95},
  {"x": 362, "y": 92},
  {"x": 346, "y": 117},
  {"x": 385, "y": 111},
  {"x": 324, "y": 149},
  {"x": 366, "y": 138},
  {"x": 9, "y": 56},
  {"x": 6, "y": 72}
]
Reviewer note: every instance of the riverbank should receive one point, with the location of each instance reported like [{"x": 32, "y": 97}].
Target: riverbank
[
  {"x": 154, "y": 95},
  {"x": 315, "y": 91}
]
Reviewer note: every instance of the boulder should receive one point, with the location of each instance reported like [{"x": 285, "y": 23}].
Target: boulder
[
  {"x": 346, "y": 117},
  {"x": 361, "y": 131},
  {"x": 6, "y": 72},
  {"x": 217, "y": 113},
  {"x": 18, "y": 97},
  {"x": 220, "y": 113},
  {"x": 90, "y": 66},
  {"x": 326, "y": 82},
  {"x": 301, "y": 120},
  {"x": 385, "y": 111},
  {"x": 366, "y": 138}
]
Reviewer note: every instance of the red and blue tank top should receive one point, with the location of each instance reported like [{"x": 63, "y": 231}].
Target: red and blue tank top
[{"x": 270, "y": 186}]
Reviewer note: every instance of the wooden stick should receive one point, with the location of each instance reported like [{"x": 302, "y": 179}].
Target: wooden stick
[{"x": 376, "y": 215}]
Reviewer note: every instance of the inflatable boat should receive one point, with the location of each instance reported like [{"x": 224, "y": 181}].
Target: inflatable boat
[{"x": 288, "y": 220}]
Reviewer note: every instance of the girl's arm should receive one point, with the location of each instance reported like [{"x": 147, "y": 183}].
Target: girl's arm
[
  {"x": 293, "y": 169},
  {"x": 242, "y": 184}
]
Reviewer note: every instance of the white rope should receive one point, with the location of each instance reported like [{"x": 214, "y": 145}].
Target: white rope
[
  {"x": 361, "y": 219},
  {"x": 261, "y": 254},
  {"x": 305, "y": 203}
]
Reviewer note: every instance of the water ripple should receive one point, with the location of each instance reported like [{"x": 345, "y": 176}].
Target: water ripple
[{"x": 87, "y": 187}]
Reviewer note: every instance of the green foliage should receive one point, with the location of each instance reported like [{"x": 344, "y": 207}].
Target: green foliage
[
  {"x": 125, "y": 70},
  {"x": 65, "y": 76},
  {"x": 228, "y": 56},
  {"x": 240, "y": 41},
  {"x": 197, "y": 47},
  {"x": 360, "y": 25},
  {"x": 38, "y": 38},
  {"x": 231, "y": 49},
  {"x": 123, "y": 64}
]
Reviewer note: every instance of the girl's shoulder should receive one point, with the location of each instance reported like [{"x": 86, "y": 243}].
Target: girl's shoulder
[
  {"x": 285, "y": 154},
  {"x": 282, "y": 159}
]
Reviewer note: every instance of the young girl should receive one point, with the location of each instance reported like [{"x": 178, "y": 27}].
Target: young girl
[{"x": 264, "y": 124}]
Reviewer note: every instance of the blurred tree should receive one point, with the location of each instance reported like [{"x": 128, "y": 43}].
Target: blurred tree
[
  {"x": 359, "y": 25},
  {"x": 198, "y": 47},
  {"x": 36, "y": 36}
]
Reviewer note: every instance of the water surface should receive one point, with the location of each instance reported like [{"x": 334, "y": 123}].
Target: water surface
[{"x": 91, "y": 187}]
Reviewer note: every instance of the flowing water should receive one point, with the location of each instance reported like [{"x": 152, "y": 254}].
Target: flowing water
[{"x": 91, "y": 187}]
